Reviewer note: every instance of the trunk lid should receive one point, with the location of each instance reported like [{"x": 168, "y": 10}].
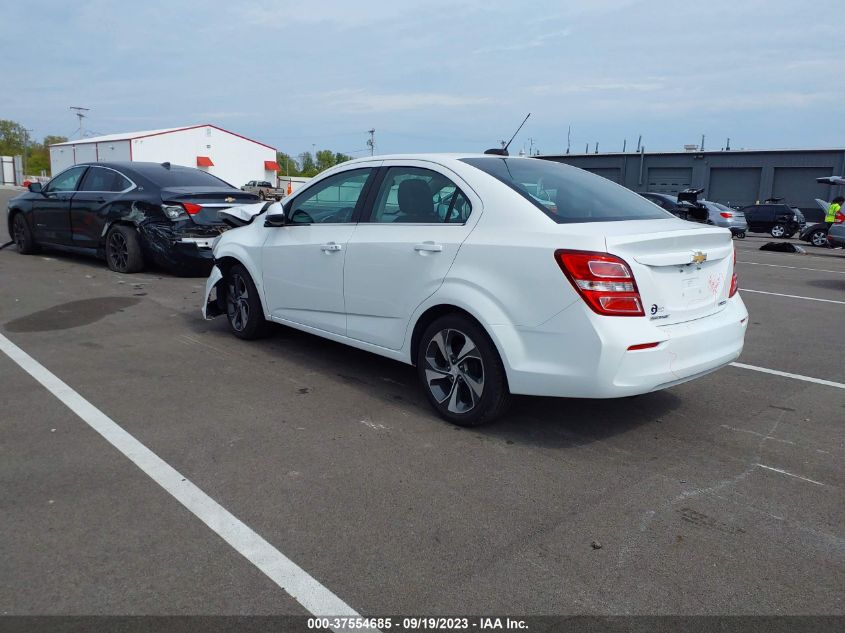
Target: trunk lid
[
  {"x": 212, "y": 200},
  {"x": 682, "y": 273}
]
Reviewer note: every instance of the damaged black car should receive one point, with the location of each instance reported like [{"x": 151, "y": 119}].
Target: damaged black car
[{"x": 130, "y": 214}]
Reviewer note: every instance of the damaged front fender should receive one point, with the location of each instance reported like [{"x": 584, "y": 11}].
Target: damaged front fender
[{"x": 213, "y": 307}]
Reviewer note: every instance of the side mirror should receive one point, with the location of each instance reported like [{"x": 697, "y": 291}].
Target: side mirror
[
  {"x": 34, "y": 187},
  {"x": 275, "y": 217}
]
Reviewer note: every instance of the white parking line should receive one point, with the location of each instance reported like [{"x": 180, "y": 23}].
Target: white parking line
[
  {"x": 765, "y": 370},
  {"x": 777, "y": 294},
  {"x": 817, "y": 270},
  {"x": 306, "y": 590},
  {"x": 789, "y": 474}
]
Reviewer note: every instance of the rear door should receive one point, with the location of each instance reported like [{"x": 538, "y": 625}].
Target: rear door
[
  {"x": 302, "y": 262},
  {"x": 51, "y": 211},
  {"x": 99, "y": 188},
  {"x": 399, "y": 256},
  {"x": 681, "y": 274}
]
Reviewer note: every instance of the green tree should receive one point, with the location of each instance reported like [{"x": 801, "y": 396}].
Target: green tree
[
  {"x": 341, "y": 158},
  {"x": 12, "y": 136},
  {"x": 307, "y": 166},
  {"x": 287, "y": 165}
]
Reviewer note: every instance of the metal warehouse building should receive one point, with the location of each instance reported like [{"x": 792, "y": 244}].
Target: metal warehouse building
[
  {"x": 736, "y": 177},
  {"x": 232, "y": 157}
]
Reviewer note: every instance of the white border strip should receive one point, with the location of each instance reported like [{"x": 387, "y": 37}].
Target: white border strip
[
  {"x": 316, "y": 598},
  {"x": 818, "y": 381},
  {"x": 816, "y": 270},
  {"x": 777, "y": 294}
]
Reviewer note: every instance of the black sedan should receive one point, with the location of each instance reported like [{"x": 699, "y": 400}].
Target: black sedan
[{"x": 127, "y": 213}]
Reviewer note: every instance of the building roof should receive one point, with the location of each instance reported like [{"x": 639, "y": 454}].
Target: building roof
[
  {"x": 706, "y": 151},
  {"x": 128, "y": 136}
]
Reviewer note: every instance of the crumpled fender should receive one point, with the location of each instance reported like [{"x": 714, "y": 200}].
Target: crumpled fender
[
  {"x": 211, "y": 307},
  {"x": 244, "y": 214}
]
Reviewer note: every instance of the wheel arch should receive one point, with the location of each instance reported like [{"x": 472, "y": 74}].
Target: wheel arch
[{"x": 225, "y": 263}]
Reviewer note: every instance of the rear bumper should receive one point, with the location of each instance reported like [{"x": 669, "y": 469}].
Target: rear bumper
[
  {"x": 583, "y": 355},
  {"x": 181, "y": 253}
]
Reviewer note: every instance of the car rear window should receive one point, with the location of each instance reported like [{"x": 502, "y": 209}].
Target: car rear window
[
  {"x": 184, "y": 177},
  {"x": 567, "y": 194}
]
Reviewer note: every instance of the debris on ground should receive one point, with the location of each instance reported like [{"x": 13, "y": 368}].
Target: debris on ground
[
  {"x": 782, "y": 247},
  {"x": 595, "y": 545}
]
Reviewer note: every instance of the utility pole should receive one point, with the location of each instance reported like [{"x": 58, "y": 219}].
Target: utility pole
[
  {"x": 25, "y": 148},
  {"x": 78, "y": 111},
  {"x": 371, "y": 142},
  {"x": 530, "y": 146}
]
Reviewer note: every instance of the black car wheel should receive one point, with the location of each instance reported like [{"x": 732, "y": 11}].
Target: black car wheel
[
  {"x": 778, "y": 230},
  {"x": 243, "y": 307},
  {"x": 461, "y": 372},
  {"x": 22, "y": 236},
  {"x": 818, "y": 238},
  {"x": 123, "y": 251}
]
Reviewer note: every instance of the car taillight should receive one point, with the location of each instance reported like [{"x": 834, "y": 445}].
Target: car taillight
[
  {"x": 604, "y": 281},
  {"x": 192, "y": 208},
  {"x": 725, "y": 214},
  {"x": 734, "y": 279}
]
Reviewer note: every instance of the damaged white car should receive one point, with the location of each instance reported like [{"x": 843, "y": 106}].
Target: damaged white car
[{"x": 461, "y": 266}]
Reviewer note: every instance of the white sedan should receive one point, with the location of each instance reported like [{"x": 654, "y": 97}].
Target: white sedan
[{"x": 492, "y": 275}]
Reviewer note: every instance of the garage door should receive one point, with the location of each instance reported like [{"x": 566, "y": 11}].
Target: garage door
[
  {"x": 734, "y": 186},
  {"x": 669, "y": 179},
  {"x": 798, "y": 187},
  {"x": 611, "y": 173}
]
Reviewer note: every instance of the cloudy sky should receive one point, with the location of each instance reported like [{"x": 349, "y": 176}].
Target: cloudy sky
[{"x": 434, "y": 75}]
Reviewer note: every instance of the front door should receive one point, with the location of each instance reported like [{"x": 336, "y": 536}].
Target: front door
[
  {"x": 51, "y": 211},
  {"x": 302, "y": 262},
  {"x": 100, "y": 187},
  {"x": 400, "y": 256}
]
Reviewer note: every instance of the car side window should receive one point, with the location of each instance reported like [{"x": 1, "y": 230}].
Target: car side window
[
  {"x": 66, "y": 181},
  {"x": 419, "y": 196},
  {"x": 99, "y": 179},
  {"x": 332, "y": 200}
]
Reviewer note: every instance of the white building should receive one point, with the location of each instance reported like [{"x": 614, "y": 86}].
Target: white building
[{"x": 232, "y": 157}]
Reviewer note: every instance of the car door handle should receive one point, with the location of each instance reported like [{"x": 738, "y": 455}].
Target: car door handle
[
  {"x": 428, "y": 247},
  {"x": 331, "y": 247}
]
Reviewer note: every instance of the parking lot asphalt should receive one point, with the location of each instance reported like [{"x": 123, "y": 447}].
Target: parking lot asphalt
[{"x": 719, "y": 496}]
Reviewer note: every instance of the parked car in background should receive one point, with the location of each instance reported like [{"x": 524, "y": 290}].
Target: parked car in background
[
  {"x": 775, "y": 218},
  {"x": 128, "y": 213},
  {"x": 453, "y": 264},
  {"x": 836, "y": 235},
  {"x": 684, "y": 206},
  {"x": 264, "y": 190},
  {"x": 816, "y": 234},
  {"x": 724, "y": 216}
]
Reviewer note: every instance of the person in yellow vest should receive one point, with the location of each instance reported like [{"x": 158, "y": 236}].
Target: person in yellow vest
[{"x": 833, "y": 208}]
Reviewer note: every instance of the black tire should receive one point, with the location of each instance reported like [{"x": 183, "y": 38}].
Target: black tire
[
  {"x": 778, "y": 231},
  {"x": 452, "y": 382},
  {"x": 243, "y": 307},
  {"x": 261, "y": 195},
  {"x": 818, "y": 238},
  {"x": 123, "y": 250},
  {"x": 22, "y": 235}
]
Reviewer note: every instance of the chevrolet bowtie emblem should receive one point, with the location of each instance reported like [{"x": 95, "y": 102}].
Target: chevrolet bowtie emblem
[
  {"x": 698, "y": 257},
  {"x": 230, "y": 199}
]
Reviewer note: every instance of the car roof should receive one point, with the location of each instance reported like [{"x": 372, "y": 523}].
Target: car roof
[{"x": 140, "y": 167}]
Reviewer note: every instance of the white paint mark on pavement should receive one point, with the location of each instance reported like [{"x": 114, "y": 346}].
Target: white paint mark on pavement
[
  {"x": 750, "y": 432},
  {"x": 789, "y": 474},
  {"x": 777, "y": 294},
  {"x": 816, "y": 270},
  {"x": 765, "y": 370},
  {"x": 305, "y": 589}
]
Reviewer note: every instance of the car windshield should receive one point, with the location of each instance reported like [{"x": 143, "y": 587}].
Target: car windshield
[
  {"x": 185, "y": 177},
  {"x": 567, "y": 194}
]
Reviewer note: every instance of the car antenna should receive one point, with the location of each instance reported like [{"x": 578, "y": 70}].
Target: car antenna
[{"x": 504, "y": 150}]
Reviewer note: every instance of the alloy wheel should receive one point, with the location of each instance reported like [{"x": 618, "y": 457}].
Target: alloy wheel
[
  {"x": 778, "y": 231},
  {"x": 237, "y": 302},
  {"x": 819, "y": 238},
  {"x": 118, "y": 250},
  {"x": 454, "y": 370},
  {"x": 19, "y": 232}
]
